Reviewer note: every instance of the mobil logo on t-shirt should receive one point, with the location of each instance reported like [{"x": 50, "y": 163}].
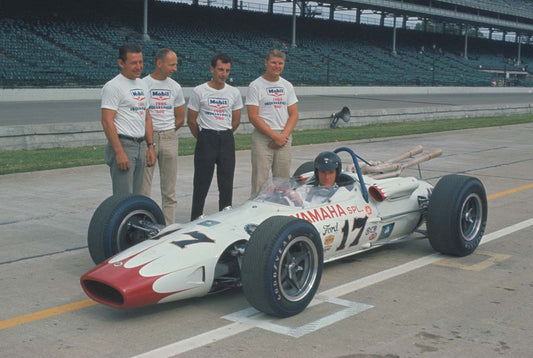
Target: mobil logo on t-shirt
[
  {"x": 276, "y": 94},
  {"x": 137, "y": 94},
  {"x": 160, "y": 94},
  {"x": 218, "y": 103},
  {"x": 276, "y": 91}
]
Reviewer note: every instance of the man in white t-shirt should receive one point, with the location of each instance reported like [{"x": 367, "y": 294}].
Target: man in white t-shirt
[
  {"x": 127, "y": 123},
  {"x": 214, "y": 113},
  {"x": 273, "y": 111},
  {"x": 167, "y": 108}
]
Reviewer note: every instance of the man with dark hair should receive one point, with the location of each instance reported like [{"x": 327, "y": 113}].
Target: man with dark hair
[
  {"x": 214, "y": 113},
  {"x": 273, "y": 111},
  {"x": 167, "y": 108},
  {"x": 328, "y": 167},
  {"x": 127, "y": 123}
]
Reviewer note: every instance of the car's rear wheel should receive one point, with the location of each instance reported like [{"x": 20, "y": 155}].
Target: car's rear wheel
[
  {"x": 120, "y": 222},
  {"x": 282, "y": 266},
  {"x": 457, "y": 215}
]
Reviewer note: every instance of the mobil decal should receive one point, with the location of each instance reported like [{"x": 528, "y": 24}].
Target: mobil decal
[
  {"x": 137, "y": 94},
  {"x": 276, "y": 91},
  {"x": 218, "y": 103},
  {"x": 160, "y": 94}
]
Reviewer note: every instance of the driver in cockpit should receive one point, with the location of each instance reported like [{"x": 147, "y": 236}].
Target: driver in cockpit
[
  {"x": 328, "y": 166},
  {"x": 317, "y": 190},
  {"x": 323, "y": 185}
]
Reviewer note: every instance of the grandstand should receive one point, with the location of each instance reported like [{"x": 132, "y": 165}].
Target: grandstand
[{"x": 63, "y": 44}]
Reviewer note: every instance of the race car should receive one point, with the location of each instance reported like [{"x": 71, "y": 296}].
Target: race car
[{"x": 275, "y": 245}]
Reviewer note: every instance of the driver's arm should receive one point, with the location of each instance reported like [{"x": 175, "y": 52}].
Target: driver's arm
[{"x": 294, "y": 196}]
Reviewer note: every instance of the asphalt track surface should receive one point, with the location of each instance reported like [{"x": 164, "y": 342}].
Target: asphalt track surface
[
  {"x": 46, "y": 112},
  {"x": 394, "y": 301}
]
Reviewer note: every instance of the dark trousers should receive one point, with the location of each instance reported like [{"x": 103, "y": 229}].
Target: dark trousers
[{"x": 213, "y": 147}]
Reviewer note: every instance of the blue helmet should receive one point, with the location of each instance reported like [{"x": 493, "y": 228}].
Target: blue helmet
[{"x": 328, "y": 160}]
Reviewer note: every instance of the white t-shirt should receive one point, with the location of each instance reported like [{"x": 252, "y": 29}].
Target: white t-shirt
[
  {"x": 164, "y": 96},
  {"x": 214, "y": 106},
  {"x": 273, "y": 100},
  {"x": 128, "y": 98}
]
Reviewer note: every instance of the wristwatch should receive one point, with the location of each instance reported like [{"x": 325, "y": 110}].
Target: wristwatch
[{"x": 151, "y": 143}]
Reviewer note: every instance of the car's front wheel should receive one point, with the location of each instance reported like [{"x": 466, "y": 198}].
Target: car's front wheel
[
  {"x": 457, "y": 215},
  {"x": 120, "y": 222},
  {"x": 282, "y": 266}
]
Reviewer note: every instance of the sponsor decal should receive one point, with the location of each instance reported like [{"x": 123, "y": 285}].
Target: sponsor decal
[
  {"x": 219, "y": 108},
  {"x": 276, "y": 91},
  {"x": 386, "y": 231},
  {"x": 371, "y": 230},
  {"x": 328, "y": 212},
  {"x": 328, "y": 241},
  {"x": 137, "y": 94},
  {"x": 218, "y": 103},
  {"x": 329, "y": 229},
  {"x": 353, "y": 210},
  {"x": 368, "y": 210},
  {"x": 209, "y": 223},
  {"x": 323, "y": 213},
  {"x": 160, "y": 94}
]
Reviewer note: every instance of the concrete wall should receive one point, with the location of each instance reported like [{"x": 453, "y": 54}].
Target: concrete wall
[
  {"x": 66, "y": 94},
  {"x": 91, "y": 133}
]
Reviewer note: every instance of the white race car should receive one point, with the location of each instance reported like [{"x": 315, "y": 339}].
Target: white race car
[{"x": 274, "y": 245}]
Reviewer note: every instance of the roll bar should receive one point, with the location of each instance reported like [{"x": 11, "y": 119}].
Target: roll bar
[{"x": 357, "y": 168}]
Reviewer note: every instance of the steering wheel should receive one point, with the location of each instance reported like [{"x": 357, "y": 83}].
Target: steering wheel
[{"x": 288, "y": 196}]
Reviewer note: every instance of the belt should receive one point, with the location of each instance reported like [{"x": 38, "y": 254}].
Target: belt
[
  {"x": 166, "y": 130},
  {"x": 138, "y": 140},
  {"x": 212, "y": 131}
]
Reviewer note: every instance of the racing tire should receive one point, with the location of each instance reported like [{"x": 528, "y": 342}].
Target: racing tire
[
  {"x": 282, "y": 266},
  {"x": 457, "y": 215},
  {"x": 110, "y": 230}
]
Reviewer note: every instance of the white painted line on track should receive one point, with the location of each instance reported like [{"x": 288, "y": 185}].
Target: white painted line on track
[
  {"x": 232, "y": 329},
  {"x": 254, "y": 318}
]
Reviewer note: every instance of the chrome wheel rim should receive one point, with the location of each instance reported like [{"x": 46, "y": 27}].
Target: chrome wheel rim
[
  {"x": 128, "y": 235},
  {"x": 298, "y": 269},
  {"x": 471, "y": 216}
]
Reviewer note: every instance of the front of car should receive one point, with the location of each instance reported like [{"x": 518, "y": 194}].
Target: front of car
[{"x": 184, "y": 260}]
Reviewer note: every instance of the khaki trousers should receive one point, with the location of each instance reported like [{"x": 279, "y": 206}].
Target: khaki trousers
[
  {"x": 265, "y": 159},
  {"x": 166, "y": 151}
]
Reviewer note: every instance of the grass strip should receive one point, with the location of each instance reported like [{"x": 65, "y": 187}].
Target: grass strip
[{"x": 43, "y": 159}]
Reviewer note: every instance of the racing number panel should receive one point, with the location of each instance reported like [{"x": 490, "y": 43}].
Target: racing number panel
[
  {"x": 358, "y": 224},
  {"x": 197, "y": 238}
]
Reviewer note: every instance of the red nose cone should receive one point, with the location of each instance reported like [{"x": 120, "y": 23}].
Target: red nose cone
[{"x": 114, "y": 285}]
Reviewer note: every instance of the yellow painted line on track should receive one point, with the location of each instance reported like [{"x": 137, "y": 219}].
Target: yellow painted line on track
[
  {"x": 491, "y": 259},
  {"x": 510, "y": 191},
  {"x": 36, "y": 316}
]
